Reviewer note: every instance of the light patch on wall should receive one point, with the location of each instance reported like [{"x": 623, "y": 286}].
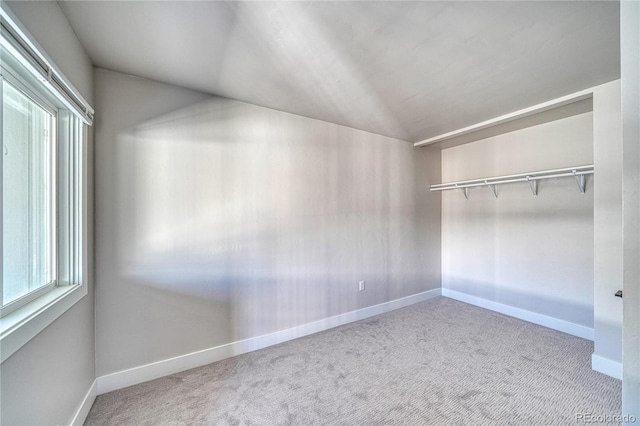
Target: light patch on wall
[
  {"x": 255, "y": 216},
  {"x": 305, "y": 44}
]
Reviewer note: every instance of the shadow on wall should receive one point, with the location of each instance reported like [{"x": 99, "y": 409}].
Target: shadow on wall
[
  {"x": 564, "y": 308},
  {"x": 233, "y": 221}
]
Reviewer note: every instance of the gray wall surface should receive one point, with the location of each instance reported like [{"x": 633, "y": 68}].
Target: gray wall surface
[
  {"x": 533, "y": 253},
  {"x": 217, "y": 220},
  {"x": 46, "y": 380}
]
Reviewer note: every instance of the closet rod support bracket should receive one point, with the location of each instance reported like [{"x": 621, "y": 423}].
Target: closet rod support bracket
[
  {"x": 579, "y": 180},
  {"x": 493, "y": 188},
  {"x": 533, "y": 184},
  {"x": 465, "y": 191}
]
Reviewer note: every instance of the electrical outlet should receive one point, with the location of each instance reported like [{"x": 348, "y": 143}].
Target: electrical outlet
[{"x": 361, "y": 286}]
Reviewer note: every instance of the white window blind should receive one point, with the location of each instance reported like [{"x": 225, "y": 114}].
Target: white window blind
[{"x": 14, "y": 39}]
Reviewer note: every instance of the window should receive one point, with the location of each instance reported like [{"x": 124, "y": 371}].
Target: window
[
  {"x": 42, "y": 175},
  {"x": 28, "y": 198}
]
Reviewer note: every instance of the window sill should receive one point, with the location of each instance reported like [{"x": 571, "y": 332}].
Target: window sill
[{"x": 23, "y": 324}]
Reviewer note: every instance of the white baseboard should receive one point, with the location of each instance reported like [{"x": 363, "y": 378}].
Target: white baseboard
[
  {"x": 87, "y": 402},
  {"x": 543, "y": 320},
  {"x": 144, "y": 373},
  {"x": 606, "y": 366}
]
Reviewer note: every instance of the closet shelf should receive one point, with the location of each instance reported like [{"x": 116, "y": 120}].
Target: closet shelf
[{"x": 532, "y": 178}]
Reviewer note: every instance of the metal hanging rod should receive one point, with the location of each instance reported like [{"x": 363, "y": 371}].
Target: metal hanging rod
[{"x": 532, "y": 178}]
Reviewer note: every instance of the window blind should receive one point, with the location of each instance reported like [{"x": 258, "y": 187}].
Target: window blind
[{"x": 18, "y": 43}]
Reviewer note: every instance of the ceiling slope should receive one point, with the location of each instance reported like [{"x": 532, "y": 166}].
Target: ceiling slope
[{"x": 410, "y": 70}]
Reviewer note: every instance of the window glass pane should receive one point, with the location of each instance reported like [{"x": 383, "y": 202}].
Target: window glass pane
[{"x": 27, "y": 189}]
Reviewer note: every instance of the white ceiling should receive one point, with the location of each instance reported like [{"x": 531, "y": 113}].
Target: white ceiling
[{"x": 410, "y": 70}]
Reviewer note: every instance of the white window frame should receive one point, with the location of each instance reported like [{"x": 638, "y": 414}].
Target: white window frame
[
  {"x": 11, "y": 76},
  {"x": 21, "y": 325}
]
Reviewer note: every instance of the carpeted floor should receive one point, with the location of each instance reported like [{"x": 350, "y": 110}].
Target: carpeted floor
[{"x": 436, "y": 362}]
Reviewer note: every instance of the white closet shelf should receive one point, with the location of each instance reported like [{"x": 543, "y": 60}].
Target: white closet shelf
[{"x": 532, "y": 178}]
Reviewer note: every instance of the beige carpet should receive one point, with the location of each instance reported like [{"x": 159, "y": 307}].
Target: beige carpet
[{"x": 436, "y": 362}]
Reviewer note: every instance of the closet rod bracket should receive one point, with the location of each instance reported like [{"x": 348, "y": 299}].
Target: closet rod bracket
[
  {"x": 465, "y": 191},
  {"x": 579, "y": 180},
  {"x": 493, "y": 188},
  {"x": 533, "y": 184}
]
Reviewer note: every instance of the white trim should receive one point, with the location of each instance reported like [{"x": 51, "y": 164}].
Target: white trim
[
  {"x": 83, "y": 411},
  {"x": 22, "y": 325},
  {"x": 132, "y": 376},
  {"x": 606, "y": 366},
  {"x": 526, "y": 112},
  {"x": 43, "y": 68},
  {"x": 534, "y": 317}
]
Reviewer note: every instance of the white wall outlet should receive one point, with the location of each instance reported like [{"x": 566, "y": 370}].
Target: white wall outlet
[{"x": 361, "y": 286}]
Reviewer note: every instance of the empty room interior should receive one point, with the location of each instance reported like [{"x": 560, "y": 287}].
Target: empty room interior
[{"x": 354, "y": 213}]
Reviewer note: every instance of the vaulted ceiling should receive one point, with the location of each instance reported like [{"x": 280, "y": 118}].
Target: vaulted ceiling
[{"x": 411, "y": 70}]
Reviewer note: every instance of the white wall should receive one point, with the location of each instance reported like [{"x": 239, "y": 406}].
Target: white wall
[
  {"x": 608, "y": 248},
  {"x": 217, "y": 221},
  {"x": 531, "y": 253},
  {"x": 630, "y": 88},
  {"x": 46, "y": 380}
]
